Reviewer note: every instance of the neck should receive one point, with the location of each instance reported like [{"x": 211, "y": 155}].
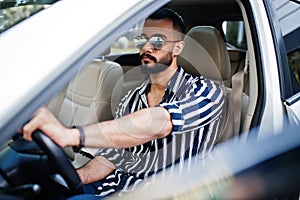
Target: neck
[
  {"x": 159, "y": 83},
  {"x": 161, "y": 80}
]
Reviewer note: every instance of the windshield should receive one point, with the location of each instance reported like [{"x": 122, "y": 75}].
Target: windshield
[{"x": 15, "y": 11}]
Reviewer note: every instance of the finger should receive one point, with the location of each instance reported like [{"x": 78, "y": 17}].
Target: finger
[{"x": 32, "y": 125}]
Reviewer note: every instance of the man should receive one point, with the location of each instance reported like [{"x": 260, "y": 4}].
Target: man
[{"x": 170, "y": 118}]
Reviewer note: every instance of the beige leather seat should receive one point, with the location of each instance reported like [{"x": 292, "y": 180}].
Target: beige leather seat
[
  {"x": 87, "y": 98},
  {"x": 205, "y": 54}
]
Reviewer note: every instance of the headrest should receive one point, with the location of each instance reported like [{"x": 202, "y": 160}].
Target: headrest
[
  {"x": 106, "y": 52},
  {"x": 205, "y": 53}
]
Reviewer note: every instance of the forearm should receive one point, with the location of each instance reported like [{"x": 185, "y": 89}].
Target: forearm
[{"x": 131, "y": 130}]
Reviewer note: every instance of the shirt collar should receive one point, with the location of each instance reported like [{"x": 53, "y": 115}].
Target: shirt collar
[{"x": 176, "y": 80}]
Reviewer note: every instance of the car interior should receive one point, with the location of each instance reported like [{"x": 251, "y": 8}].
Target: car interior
[
  {"x": 95, "y": 91},
  {"x": 92, "y": 95},
  {"x": 242, "y": 60}
]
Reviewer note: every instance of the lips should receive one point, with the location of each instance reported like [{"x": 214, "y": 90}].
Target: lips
[{"x": 148, "y": 58}]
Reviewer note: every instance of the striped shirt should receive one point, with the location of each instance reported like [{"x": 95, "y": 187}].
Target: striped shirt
[{"x": 195, "y": 106}]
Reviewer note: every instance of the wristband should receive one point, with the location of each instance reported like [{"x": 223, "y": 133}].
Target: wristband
[{"x": 81, "y": 138}]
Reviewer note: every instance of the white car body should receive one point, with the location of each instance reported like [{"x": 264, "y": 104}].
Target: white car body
[{"x": 41, "y": 54}]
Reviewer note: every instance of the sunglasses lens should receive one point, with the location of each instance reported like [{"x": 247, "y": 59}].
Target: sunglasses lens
[
  {"x": 156, "y": 42},
  {"x": 140, "y": 42}
]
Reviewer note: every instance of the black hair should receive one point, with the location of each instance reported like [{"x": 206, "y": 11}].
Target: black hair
[{"x": 167, "y": 13}]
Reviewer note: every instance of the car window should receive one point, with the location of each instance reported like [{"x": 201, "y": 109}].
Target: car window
[
  {"x": 125, "y": 43},
  {"x": 13, "y": 12},
  {"x": 288, "y": 13},
  {"x": 235, "y": 34}
]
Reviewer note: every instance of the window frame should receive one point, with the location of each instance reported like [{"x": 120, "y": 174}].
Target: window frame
[{"x": 285, "y": 76}]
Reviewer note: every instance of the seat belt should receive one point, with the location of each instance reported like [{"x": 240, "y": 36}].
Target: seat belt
[{"x": 237, "y": 91}]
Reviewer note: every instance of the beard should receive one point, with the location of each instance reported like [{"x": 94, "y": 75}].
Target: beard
[{"x": 157, "y": 67}]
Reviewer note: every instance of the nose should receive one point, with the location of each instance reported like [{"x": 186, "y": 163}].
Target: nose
[{"x": 147, "y": 47}]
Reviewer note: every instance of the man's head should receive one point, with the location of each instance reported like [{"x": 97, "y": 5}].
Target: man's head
[{"x": 161, "y": 41}]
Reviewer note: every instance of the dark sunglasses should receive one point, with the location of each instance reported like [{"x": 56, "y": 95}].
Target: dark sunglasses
[{"x": 156, "y": 42}]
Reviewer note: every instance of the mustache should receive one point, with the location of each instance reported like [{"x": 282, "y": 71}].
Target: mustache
[{"x": 148, "y": 56}]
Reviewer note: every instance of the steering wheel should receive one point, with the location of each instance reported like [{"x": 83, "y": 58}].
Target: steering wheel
[{"x": 59, "y": 159}]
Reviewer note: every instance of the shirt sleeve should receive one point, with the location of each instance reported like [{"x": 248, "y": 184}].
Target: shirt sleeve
[
  {"x": 200, "y": 104},
  {"x": 114, "y": 155}
]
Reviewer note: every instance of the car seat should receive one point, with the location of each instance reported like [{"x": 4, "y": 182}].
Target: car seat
[
  {"x": 205, "y": 53},
  {"x": 87, "y": 98}
]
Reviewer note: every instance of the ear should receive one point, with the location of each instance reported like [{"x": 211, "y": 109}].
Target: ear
[{"x": 178, "y": 48}]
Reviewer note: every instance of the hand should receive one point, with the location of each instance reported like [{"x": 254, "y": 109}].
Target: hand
[
  {"x": 46, "y": 122},
  {"x": 95, "y": 170}
]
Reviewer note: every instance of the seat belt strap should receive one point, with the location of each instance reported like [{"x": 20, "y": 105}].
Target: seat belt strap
[{"x": 237, "y": 91}]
